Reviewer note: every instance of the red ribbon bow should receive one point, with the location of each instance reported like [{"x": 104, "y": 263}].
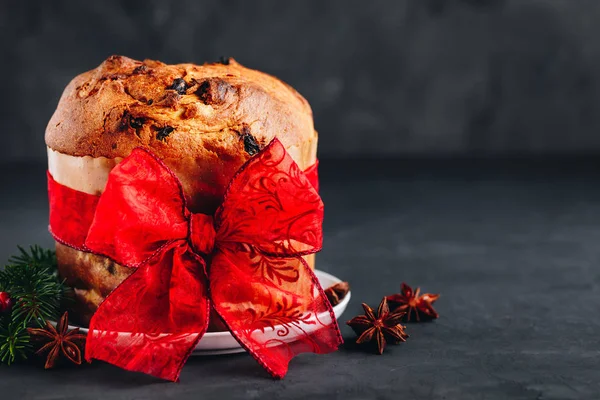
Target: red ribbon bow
[{"x": 246, "y": 261}]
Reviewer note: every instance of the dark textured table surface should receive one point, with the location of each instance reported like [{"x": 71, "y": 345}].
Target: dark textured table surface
[{"x": 512, "y": 246}]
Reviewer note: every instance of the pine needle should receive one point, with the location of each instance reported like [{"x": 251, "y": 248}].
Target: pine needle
[
  {"x": 14, "y": 343},
  {"x": 31, "y": 279}
]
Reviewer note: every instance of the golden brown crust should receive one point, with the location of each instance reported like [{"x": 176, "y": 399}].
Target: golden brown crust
[{"x": 125, "y": 103}]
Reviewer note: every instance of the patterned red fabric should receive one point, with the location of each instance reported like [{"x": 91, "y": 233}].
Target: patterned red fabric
[
  {"x": 246, "y": 262},
  {"x": 312, "y": 174}
]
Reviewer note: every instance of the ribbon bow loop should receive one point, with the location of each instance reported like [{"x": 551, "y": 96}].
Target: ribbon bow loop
[
  {"x": 258, "y": 282},
  {"x": 141, "y": 210},
  {"x": 278, "y": 210}
]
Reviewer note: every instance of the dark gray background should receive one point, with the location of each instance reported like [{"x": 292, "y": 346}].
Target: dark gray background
[
  {"x": 510, "y": 243},
  {"x": 396, "y": 77}
]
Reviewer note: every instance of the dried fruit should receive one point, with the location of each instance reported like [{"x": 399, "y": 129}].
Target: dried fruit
[
  {"x": 142, "y": 69},
  {"x": 214, "y": 91},
  {"x": 179, "y": 86},
  {"x": 162, "y": 133},
  {"x": 250, "y": 145},
  {"x": 136, "y": 123}
]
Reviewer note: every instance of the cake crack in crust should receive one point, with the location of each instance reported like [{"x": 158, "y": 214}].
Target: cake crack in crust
[{"x": 203, "y": 121}]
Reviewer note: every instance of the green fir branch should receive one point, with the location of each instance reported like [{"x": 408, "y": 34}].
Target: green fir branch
[
  {"x": 31, "y": 279},
  {"x": 14, "y": 343},
  {"x": 37, "y": 293},
  {"x": 36, "y": 257}
]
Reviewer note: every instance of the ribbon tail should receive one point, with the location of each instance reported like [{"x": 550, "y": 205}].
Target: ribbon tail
[
  {"x": 153, "y": 321},
  {"x": 274, "y": 307}
]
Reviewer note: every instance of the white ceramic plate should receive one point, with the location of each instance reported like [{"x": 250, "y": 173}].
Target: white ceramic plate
[{"x": 214, "y": 343}]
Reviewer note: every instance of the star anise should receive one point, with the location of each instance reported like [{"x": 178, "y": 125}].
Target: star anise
[
  {"x": 413, "y": 304},
  {"x": 336, "y": 293},
  {"x": 59, "y": 341},
  {"x": 383, "y": 327}
]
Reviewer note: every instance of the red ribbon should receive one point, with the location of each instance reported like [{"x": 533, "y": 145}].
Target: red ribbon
[{"x": 245, "y": 262}]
